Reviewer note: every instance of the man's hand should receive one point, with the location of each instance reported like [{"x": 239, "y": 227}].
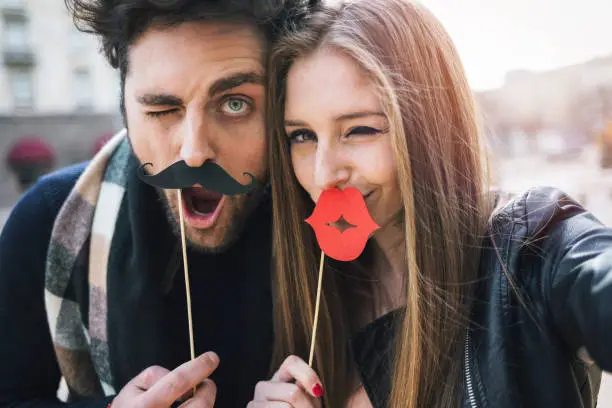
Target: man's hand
[{"x": 157, "y": 387}]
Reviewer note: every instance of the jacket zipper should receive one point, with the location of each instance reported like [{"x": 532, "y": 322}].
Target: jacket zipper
[{"x": 468, "y": 372}]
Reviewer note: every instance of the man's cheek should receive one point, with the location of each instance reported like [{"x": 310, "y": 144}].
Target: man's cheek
[
  {"x": 258, "y": 161},
  {"x": 171, "y": 199}
]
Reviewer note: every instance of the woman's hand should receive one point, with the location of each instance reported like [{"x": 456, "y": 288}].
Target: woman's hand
[{"x": 295, "y": 385}]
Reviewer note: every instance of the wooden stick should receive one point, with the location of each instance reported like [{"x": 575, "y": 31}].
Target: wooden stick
[
  {"x": 316, "y": 315},
  {"x": 186, "y": 270}
]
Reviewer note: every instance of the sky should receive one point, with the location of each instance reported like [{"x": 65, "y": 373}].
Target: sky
[{"x": 496, "y": 36}]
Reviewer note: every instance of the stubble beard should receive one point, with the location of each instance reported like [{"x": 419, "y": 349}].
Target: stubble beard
[{"x": 228, "y": 227}]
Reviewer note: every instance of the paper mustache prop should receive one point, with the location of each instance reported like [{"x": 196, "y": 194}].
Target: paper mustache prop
[
  {"x": 332, "y": 205},
  {"x": 209, "y": 175}
]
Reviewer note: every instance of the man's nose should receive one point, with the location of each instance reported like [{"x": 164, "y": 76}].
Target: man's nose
[{"x": 197, "y": 144}]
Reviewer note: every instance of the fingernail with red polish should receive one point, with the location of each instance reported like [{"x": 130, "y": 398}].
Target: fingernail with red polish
[{"x": 317, "y": 390}]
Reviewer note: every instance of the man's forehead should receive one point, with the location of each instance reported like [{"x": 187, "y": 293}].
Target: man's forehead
[
  {"x": 200, "y": 51},
  {"x": 205, "y": 40}
]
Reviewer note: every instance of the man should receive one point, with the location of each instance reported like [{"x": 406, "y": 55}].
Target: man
[{"x": 92, "y": 294}]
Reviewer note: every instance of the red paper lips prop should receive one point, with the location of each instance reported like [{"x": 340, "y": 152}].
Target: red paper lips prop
[{"x": 332, "y": 205}]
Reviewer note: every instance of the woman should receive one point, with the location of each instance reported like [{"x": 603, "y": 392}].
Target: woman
[{"x": 460, "y": 299}]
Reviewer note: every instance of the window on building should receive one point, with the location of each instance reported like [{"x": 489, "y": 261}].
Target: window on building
[
  {"x": 83, "y": 89},
  {"x": 12, "y": 3},
  {"x": 22, "y": 88},
  {"x": 15, "y": 35}
]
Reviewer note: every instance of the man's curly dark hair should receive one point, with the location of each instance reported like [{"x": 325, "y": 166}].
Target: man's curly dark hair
[{"x": 120, "y": 22}]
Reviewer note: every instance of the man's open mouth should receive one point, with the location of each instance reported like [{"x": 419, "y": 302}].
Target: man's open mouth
[
  {"x": 201, "y": 206},
  {"x": 200, "y": 201}
]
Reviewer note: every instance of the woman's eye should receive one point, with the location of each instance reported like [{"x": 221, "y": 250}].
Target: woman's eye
[
  {"x": 364, "y": 130},
  {"x": 235, "y": 107},
  {"x": 301, "y": 136}
]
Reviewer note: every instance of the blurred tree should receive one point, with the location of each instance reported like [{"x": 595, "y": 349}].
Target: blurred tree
[
  {"x": 532, "y": 126},
  {"x": 604, "y": 140},
  {"x": 604, "y": 120}
]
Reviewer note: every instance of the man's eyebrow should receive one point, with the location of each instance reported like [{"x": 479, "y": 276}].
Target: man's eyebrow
[
  {"x": 221, "y": 85},
  {"x": 233, "y": 81},
  {"x": 161, "y": 99}
]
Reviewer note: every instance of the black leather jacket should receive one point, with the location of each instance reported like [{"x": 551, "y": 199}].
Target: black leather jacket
[{"x": 527, "y": 351}]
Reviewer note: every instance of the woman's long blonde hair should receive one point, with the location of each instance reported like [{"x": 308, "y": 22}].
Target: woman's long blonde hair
[{"x": 436, "y": 141}]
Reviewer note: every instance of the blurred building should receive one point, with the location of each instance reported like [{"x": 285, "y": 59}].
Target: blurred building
[
  {"x": 572, "y": 103},
  {"x": 54, "y": 84},
  {"x": 48, "y": 67}
]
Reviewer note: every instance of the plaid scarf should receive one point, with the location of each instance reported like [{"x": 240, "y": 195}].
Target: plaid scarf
[
  {"x": 112, "y": 266},
  {"x": 85, "y": 225}
]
